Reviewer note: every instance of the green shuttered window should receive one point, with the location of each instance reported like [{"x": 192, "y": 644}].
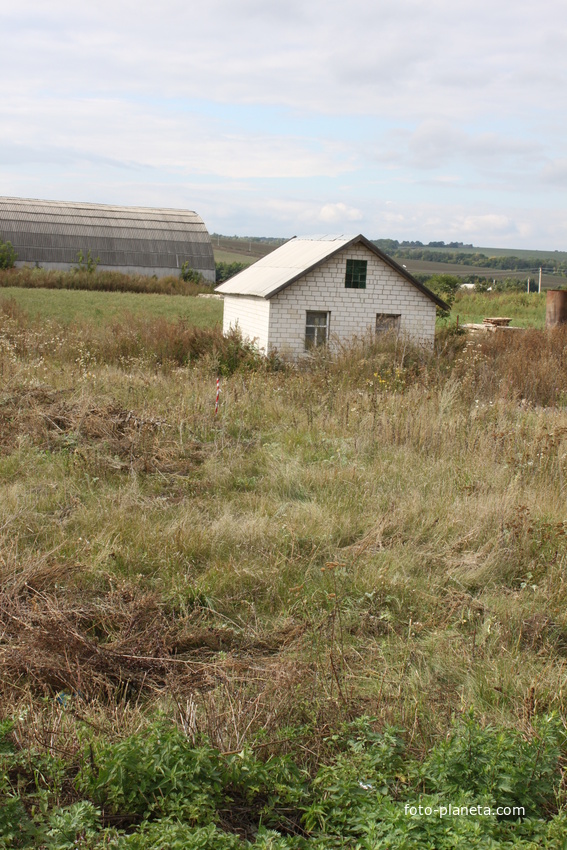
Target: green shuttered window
[{"x": 355, "y": 274}]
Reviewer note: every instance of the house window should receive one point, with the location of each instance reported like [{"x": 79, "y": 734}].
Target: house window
[
  {"x": 387, "y": 323},
  {"x": 316, "y": 329},
  {"x": 356, "y": 274}
]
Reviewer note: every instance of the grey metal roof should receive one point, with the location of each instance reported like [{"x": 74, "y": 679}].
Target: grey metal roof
[
  {"x": 281, "y": 267},
  {"x": 291, "y": 261},
  {"x": 55, "y": 232}
]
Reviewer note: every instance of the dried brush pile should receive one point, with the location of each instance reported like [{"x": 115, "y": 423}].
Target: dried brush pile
[
  {"x": 103, "y": 646},
  {"x": 104, "y": 434},
  {"x": 100, "y": 648}
]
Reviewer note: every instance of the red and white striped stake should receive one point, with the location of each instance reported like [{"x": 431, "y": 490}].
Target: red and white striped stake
[{"x": 217, "y": 400}]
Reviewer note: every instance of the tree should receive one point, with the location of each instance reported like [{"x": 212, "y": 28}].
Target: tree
[
  {"x": 224, "y": 271},
  {"x": 445, "y": 286},
  {"x": 8, "y": 256},
  {"x": 190, "y": 275}
]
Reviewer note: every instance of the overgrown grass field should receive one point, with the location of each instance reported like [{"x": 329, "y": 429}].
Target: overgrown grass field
[{"x": 280, "y": 625}]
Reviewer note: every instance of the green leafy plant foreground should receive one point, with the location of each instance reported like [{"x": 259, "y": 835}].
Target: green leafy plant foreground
[{"x": 156, "y": 789}]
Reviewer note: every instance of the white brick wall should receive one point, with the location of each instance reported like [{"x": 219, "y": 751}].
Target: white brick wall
[
  {"x": 353, "y": 311},
  {"x": 252, "y": 315},
  {"x": 280, "y": 321}
]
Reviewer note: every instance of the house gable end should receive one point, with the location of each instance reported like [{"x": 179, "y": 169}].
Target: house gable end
[
  {"x": 362, "y": 240},
  {"x": 349, "y": 311},
  {"x": 290, "y": 263}
]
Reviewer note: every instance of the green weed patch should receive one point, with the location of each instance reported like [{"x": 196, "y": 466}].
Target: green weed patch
[{"x": 157, "y": 788}]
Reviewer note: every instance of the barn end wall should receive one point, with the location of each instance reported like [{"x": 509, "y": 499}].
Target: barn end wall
[
  {"x": 353, "y": 311},
  {"x": 251, "y": 315}
]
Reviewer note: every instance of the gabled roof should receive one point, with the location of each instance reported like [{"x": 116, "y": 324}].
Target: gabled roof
[{"x": 292, "y": 260}]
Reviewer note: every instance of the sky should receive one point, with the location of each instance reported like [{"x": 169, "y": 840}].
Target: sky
[{"x": 405, "y": 119}]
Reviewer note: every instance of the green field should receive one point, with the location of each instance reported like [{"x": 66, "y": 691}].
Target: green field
[
  {"x": 67, "y": 306},
  {"x": 548, "y": 281},
  {"x": 222, "y": 256},
  {"x": 76, "y": 305},
  {"x": 526, "y": 311},
  {"x": 509, "y": 252},
  {"x": 258, "y": 248}
]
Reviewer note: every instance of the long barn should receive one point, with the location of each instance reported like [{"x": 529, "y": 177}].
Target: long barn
[{"x": 141, "y": 240}]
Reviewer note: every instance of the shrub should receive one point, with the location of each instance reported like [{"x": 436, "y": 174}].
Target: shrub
[
  {"x": 445, "y": 286},
  {"x": 99, "y": 281},
  {"x": 178, "y": 343},
  {"x": 8, "y": 255},
  {"x": 86, "y": 264},
  {"x": 224, "y": 271},
  {"x": 190, "y": 275}
]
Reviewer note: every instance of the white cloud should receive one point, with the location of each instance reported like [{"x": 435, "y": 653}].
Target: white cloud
[
  {"x": 257, "y": 112},
  {"x": 434, "y": 143},
  {"x": 131, "y": 135},
  {"x": 331, "y": 213},
  {"x": 492, "y": 223},
  {"x": 554, "y": 173},
  {"x": 411, "y": 58}
]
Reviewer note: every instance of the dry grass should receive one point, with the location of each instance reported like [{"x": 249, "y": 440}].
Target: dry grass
[
  {"x": 99, "y": 281},
  {"x": 379, "y": 532}
]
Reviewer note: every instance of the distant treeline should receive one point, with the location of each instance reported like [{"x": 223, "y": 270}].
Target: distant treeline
[
  {"x": 389, "y": 245},
  {"x": 412, "y": 251},
  {"x": 265, "y": 240}
]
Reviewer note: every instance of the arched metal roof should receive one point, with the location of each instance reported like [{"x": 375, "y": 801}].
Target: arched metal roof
[{"x": 151, "y": 241}]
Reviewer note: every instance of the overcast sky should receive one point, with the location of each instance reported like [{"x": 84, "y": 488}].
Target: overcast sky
[{"x": 444, "y": 119}]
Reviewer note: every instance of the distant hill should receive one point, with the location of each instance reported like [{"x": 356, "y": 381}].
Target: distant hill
[{"x": 243, "y": 249}]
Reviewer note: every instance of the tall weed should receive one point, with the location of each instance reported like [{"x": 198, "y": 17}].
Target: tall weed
[{"x": 95, "y": 280}]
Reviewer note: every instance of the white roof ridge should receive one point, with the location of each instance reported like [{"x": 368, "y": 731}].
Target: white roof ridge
[{"x": 325, "y": 237}]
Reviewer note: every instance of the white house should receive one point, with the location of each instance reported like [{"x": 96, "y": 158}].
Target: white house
[{"x": 311, "y": 290}]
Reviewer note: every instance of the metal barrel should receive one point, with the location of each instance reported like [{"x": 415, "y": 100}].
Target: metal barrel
[{"x": 556, "y": 308}]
